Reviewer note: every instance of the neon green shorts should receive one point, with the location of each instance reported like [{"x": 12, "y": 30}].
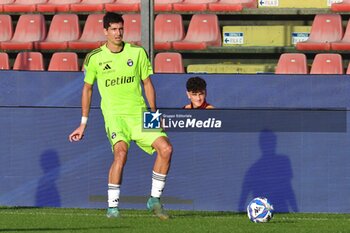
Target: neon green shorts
[{"x": 127, "y": 129}]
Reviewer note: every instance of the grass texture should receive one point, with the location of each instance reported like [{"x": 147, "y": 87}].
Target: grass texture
[{"x": 27, "y": 219}]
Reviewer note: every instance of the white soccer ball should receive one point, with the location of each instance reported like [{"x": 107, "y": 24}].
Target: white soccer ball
[{"x": 260, "y": 210}]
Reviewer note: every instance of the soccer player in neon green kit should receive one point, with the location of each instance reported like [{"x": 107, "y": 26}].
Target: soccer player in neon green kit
[{"x": 119, "y": 68}]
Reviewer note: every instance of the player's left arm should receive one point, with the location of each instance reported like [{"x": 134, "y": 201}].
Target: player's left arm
[
  {"x": 150, "y": 93},
  {"x": 145, "y": 69}
]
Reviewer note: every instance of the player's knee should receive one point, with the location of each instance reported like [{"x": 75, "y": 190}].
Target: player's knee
[
  {"x": 166, "y": 150},
  {"x": 120, "y": 155}
]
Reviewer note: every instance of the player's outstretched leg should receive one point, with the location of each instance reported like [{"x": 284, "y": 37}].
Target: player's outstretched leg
[
  {"x": 154, "y": 205},
  {"x": 113, "y": 212}
]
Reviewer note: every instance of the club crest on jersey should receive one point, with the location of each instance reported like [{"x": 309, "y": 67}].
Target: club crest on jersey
[
  {"x": 113, "y": 135},
  {"x": 130, "y": 62}
]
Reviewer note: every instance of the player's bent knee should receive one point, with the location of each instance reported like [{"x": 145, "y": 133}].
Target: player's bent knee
[
  {"x": 120, "y": 155},
  {"x": 120, "y": 150},
  {"x": 166, "y": 150},
  {"x": 169, "y": 148}
]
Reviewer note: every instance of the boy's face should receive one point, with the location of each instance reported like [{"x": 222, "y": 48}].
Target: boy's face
[
  {"x": 197, "y": 98},
  {"x": 114, "y": 33}
]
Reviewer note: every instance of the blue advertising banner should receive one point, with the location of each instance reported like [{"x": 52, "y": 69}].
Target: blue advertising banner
[{"x": 290, "y": 142}]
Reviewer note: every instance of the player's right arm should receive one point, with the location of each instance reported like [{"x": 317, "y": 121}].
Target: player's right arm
[
  {"x": 89, "y": 80},
  {"x": 78, "y": 133}
]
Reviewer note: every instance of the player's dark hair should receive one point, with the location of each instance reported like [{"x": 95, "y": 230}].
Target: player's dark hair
[
  {"x": 196, "y": 84},
  {"x": 111, "y": 17}
]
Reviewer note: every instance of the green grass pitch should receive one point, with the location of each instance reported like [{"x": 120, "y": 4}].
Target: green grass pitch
[{"x": 27, "y": 219}]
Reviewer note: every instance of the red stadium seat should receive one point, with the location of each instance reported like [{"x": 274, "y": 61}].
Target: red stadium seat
[
  {"x": 4, "y": 61},
  {"x": 168, "y": 62},
  {"x": 5, "y": 2},
  {"x": 344, "y": 43},
  {"x": 64, "y": 61},
  {"x": 23, "y": 6},
  {"x": 6, "y": 28},
  {"x": 165, "y": 5},
  {"x": 132, "y": 28},
  {"x": 124, "y": 6},
  {"x": 63, "y": 28},
  {"x": 232, "y": 5},
  {"x": 327, "y": 63},
  {"x": 325, "y": 29},
  {"x": 29, "y": 61},
  {"x": 167, "y": 28},
  {"x": 203, "y": 31},
  {"x": 30, "y": 28},
  {"x": 92, "y": 36},
  {"x": 341, "y": 6},
  {"x": 90, "y": 5},
  {"x": 56, "y": 5},
  {"x": 292, "y": 63},
  {"x": 193, "y": 5},
  {"x": 348, "y": 69}
]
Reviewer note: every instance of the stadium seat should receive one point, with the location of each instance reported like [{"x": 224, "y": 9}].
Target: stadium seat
[
  {"x": 56, "y": 5},
  {"x": 30, "y": 28},
  {"x": 344, "y": 43},
  {"x": 232, "y": 5},
  {"x": 6, "y": 28},
  {"x": 168, "y": 62},
  {"x": 344, "y": 6},
  {"x": 203, "y": 31},
  {"x": 4, "y": 61},
  {"x": 348, "y": 69},
  {"x": 89, "y": 5},
  {"x": 124, "y": 6},
  {"x": 92, "y": 35},
  {"x": 167, "y": 28},
  {"x": 292, "y": 63},
  {"x": 325, "y": 29},
  {"x": 23, "y": 6},
  {"x": 5, "y": 2},
  {"x": 193, "y": 5},
  {"x": 29, "y": 61},
  {"x": 165, "y": 5},
  {"x": 231, "y": 68},
  {"x": 64, "y": 61},
  {"x": 327, "y": 63},
  {"x": 63, "y": 28},
  {"x": 132, "y": 28}
]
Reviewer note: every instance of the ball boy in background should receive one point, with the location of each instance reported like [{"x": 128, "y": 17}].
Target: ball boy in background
[{"x": 196, "y": 93}]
